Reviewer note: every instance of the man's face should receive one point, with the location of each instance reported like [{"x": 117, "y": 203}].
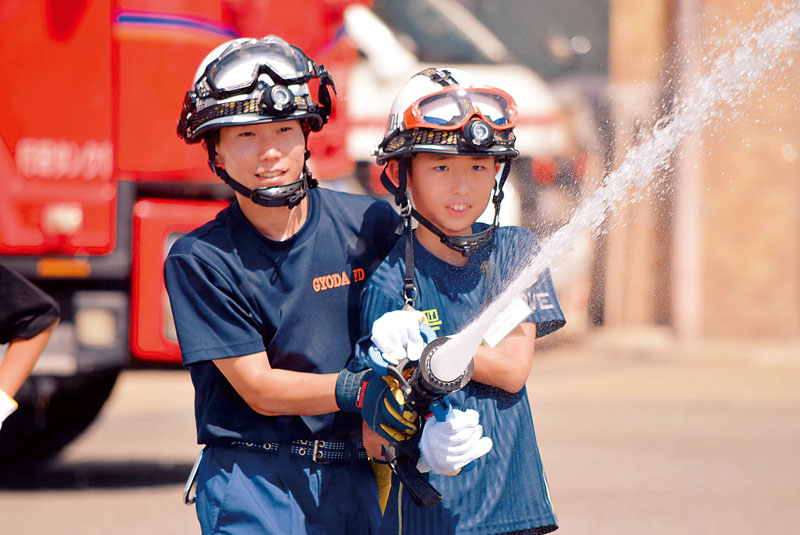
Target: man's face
[
  {"x": 451, "y": 191},
  {"x": 262, "y": 155}
]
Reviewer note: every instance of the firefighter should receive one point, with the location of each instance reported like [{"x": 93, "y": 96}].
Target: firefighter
[
  {"x": 27, "y": 320},
  {"x": 447, "y": 149},
  {"x": 265, "y": 301}
]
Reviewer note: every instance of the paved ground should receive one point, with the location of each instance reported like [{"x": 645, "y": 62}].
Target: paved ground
[
  {"x": 637, "y": 438},
  {"x": 124, "y": 475},
  {"x": 661, "y": 442}
]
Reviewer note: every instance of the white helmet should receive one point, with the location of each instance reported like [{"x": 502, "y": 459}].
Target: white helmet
[
  {"x": 445, "y": 110},
  {"x": 250, "y": 81}
]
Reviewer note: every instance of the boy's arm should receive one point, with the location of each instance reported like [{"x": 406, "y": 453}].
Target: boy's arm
[
  {"x": 20, "y": 357},
  {"x": 373, "y": 442},
  {"x": 508, "y": 364}
]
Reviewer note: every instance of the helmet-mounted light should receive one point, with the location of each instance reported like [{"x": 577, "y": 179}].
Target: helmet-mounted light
[
  {"x": 477, "y": 134},
  {"x": 277, "y": 100}
]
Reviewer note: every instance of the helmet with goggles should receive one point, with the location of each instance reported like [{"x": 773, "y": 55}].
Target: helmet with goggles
[
  {"x": 446, "y": 111},
  {"x": 252, "y": 81}
]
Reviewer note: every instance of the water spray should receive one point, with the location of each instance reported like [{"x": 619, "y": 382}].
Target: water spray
[{"x": 733, "y": 75}]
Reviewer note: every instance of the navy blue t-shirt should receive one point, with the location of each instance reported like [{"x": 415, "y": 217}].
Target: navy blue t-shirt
[
  {"x": 507, "y": 490},
  {"x": 235, "y": 292}
]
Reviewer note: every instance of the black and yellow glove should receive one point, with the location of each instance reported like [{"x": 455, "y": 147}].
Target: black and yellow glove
[{"x": 380, "y": 402}]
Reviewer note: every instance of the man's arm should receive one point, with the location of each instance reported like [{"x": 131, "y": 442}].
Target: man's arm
[
  {"x": 508, "y": 364},
  {"x": 275, "y": 392}
]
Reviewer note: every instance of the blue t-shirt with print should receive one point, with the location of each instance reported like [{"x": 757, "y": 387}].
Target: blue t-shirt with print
[{"x": 507, "y": 490}]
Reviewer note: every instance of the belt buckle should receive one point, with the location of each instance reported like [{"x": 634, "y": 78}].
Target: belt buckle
[{"x": 317, "y": 452}]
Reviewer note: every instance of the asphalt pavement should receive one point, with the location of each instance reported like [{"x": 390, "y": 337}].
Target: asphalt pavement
[{"x": 639, "y": 435}]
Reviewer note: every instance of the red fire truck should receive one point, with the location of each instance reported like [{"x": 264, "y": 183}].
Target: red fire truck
[{"x": 95, "y": 186}]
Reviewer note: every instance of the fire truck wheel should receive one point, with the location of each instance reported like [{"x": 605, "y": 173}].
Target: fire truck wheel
[{"x": 52, "y": 412}]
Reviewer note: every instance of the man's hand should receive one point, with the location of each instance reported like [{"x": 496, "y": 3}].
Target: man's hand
[
  {"x": 379, "y": 401},
  {"x": 397, "y": 335},
  {"x": 446, "y": 447},
  {"x": 7, "y": 406}
]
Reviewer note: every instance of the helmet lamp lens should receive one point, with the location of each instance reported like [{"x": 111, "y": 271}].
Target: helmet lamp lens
[
  {"x": 281, "y": 97},
  {"x": 478, "y": 134}
]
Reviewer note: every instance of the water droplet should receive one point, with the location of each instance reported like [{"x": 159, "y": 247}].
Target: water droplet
[{"x": 789, "y": 152}]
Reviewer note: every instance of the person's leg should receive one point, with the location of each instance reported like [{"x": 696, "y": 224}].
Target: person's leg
[
  {"x": 349, "y": 499},
  {"x": 244, "y": 492}
]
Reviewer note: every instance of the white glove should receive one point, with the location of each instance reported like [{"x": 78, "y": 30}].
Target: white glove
[
  {"x": 7, "y": 406},
  {"x": 396, "y": 334},
  {"x": 446, "y": 447}
]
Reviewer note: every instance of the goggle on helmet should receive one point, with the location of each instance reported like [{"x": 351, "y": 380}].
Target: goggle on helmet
[
  {"x": 252, "y": 81},
  {"x": 439, "y": 111}
]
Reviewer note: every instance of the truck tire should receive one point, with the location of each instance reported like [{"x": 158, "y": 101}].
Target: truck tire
[{"x": 53, "y": 411}]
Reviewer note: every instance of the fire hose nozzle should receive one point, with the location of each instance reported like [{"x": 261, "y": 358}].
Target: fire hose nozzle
[{"x": 426, "y": 387}]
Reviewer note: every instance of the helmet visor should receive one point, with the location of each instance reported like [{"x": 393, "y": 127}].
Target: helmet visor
[
  {"x": 454, "y": 106},
  {"x": 239, "y": 66}
]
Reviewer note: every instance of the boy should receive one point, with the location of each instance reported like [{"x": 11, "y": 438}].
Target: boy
[
  {"x": 265, "y": 301},
  {"x": 449, "y": 143}
]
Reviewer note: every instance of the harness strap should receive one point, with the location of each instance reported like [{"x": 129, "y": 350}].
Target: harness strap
[
  {"x": 409, "y": 287},
  {"x": 442, "y": 77}
]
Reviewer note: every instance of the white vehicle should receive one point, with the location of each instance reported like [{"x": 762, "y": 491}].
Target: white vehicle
[{"x": 460, "y": 41}]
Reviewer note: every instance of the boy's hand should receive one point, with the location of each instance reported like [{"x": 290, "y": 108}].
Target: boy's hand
[
  {"x": 397, "y": 335},
  {"x": 373, "y": 442},
  {"x": 446, "y": 447},
  {"x": 379, "y": 401}
]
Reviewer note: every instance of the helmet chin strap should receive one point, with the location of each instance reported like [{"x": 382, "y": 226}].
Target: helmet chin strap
[{"x": 289, "y": 195}]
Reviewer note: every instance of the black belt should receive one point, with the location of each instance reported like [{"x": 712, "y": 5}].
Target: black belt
[{"x": 319, "y": 451}]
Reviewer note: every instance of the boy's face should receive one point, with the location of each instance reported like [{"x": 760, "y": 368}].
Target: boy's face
[
  {"x": 262, "y": 155},
  {"x": 451, "y": 191}
]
